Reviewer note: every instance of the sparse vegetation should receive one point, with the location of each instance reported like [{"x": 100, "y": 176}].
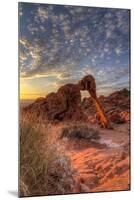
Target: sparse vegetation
[
  {"x": 61, "y": 157},
  {"x": 80, "y": 131},
  {"x": 43, "y": 170}
]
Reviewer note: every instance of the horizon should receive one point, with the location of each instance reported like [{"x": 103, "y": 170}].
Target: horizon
[
  {"x": 60, "y": 44},
  {"x": 82, "y": 96}
]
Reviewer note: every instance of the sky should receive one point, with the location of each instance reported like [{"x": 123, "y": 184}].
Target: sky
[{"x": 61, "y": 44}]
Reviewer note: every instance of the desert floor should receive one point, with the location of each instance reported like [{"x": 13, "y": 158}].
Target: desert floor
[
  {"x": 98, "y": 165},
  {"x": 63, "y": 157}
]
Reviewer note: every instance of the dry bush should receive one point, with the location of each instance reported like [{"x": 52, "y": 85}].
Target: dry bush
[
  {"x": 80, "y": 132},
  {"x": 43, "y": 170}
]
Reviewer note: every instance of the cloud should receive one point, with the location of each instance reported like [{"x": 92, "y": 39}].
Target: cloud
[
  {"x": 32, "y": 29},
  {"x": 26, "y": 44},
  {"x": 20, "y": 10},
  {"x": 118, "y": 50},
  {"x": 42, "y": 14},
  {"x": 69, "y": 42},
  {"x": 22, "y": 56}
]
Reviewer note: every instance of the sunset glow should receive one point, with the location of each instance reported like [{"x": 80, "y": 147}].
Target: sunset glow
[{"x": 61, "y": 44}]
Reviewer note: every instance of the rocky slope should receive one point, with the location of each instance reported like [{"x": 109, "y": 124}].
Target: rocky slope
[
  {"x": 116, "y": 106},
  {"x": 53, "y": 108},
  {"x": 99, "y": 164}
]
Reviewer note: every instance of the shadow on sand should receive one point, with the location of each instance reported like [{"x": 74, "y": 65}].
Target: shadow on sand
[{"x": 13, "y": 193}]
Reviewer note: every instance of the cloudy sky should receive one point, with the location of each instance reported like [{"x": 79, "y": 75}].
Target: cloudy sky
[{"x": 61, "y": 44}]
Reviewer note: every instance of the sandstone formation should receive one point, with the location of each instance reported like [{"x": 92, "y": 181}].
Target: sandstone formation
[
  {"x": 116, "y": 105},
  {"x": 66, "y": 105},
  {"x": 63, "y": 105}
]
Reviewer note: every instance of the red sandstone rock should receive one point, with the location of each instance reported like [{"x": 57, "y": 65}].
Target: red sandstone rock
[{"x": 63, "y": 105}]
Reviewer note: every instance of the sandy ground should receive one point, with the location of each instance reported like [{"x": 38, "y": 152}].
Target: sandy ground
[
  {"x": 102, "y": 165},
  {"x": 96, "y": 165}
]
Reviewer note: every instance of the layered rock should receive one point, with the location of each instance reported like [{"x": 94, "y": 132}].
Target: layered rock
[{"x": 116, "y": 106}]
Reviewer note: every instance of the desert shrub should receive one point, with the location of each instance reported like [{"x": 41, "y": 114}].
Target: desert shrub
[
  {"x": 43, "y": 170},
  {"x": 80, "y": 131}
]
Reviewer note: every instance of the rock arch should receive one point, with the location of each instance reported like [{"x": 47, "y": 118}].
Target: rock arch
[{"x": 65, "y": 104}]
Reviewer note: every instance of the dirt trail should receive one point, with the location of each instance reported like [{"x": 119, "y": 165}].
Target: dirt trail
[{"x": 101, "y": 165}]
